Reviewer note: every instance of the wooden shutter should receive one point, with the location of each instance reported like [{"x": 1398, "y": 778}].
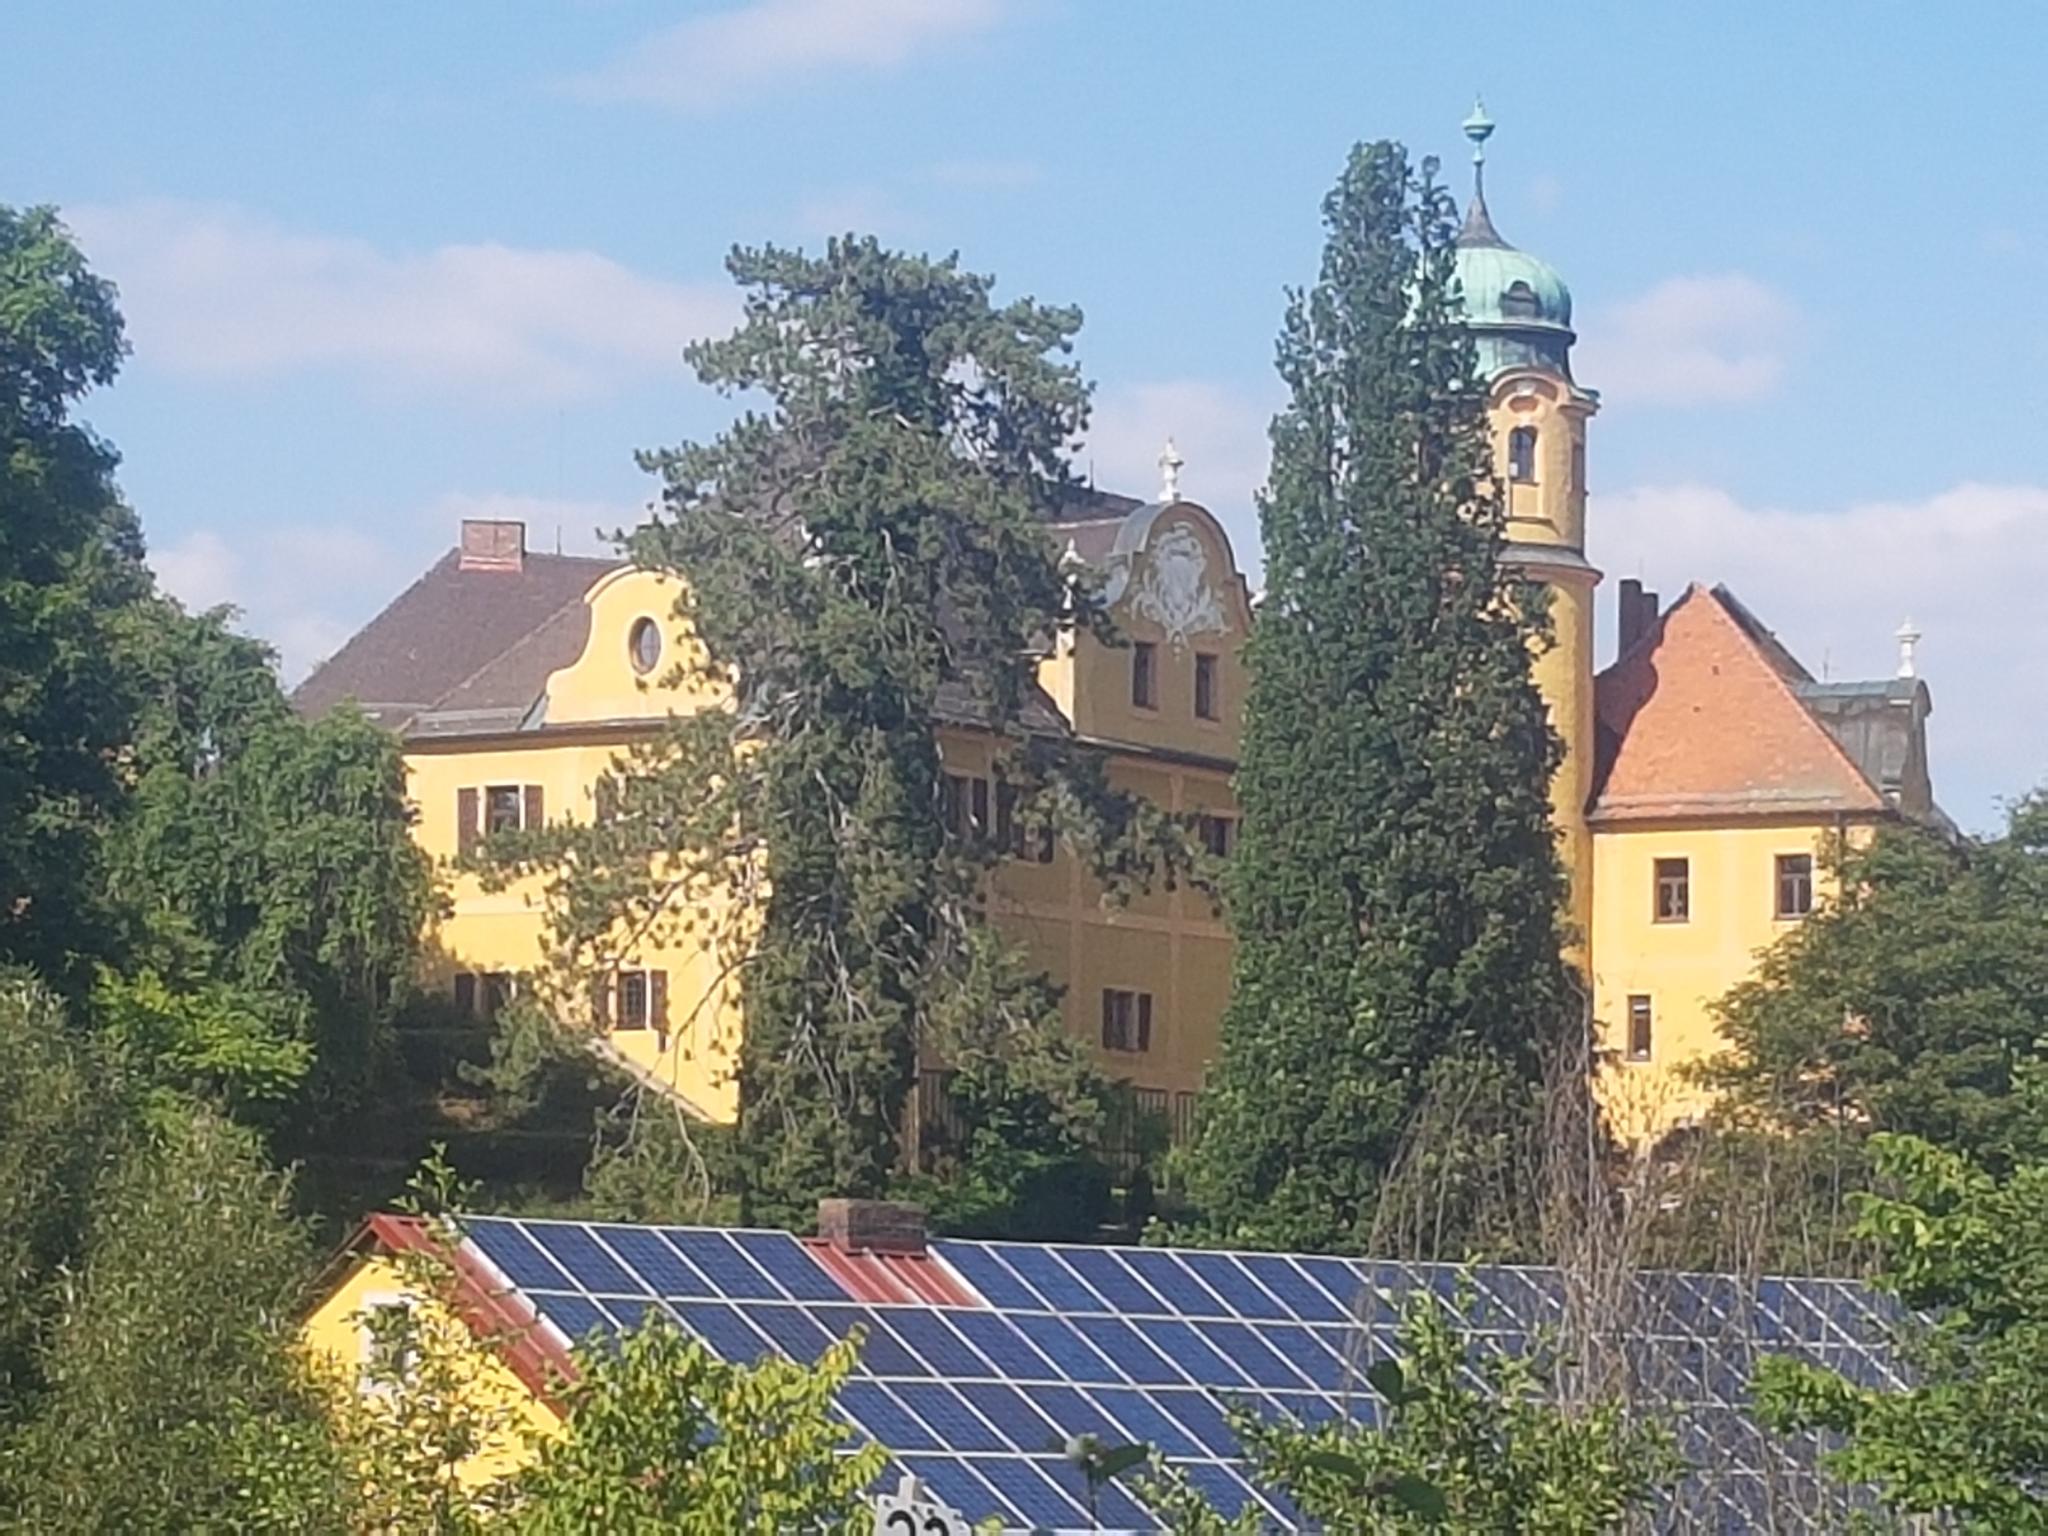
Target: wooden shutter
[
  {"x": 465, "y": 983},
  {"x": 601, "y": 1001},
  {"x": 657, "y": 1002},
  {"x": 1144, "y": 1021},
  {"x": 467, "y": 814},
  {"x": 536, "y": 808},
  {"x": 1109, "y": 1040}
]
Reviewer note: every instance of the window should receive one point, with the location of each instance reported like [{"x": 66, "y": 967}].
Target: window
[
  {"x": 1518, "y": 301},
  {"x": 1205, "y": 686},
  {"x": 1012, "y": 835},
  {"x": 498, "y": 990},
  {"x": 1522, "y": 453},
  {"x": 1674, "y": 890},
  {"x": 1218, "y": 833},
  {"x": 1639, "y": 1028},
  {"x": 499, "y": 808},
  {"x": 1126, "y": 1020},
  {"x": 641, "y": 1001},
  {"x": 1795, "y": 885},
  {"x": 1145, "y": 674},
  {"x": 387, "y": 1341},
  {"x": 644, "y": 645},
  {"x": 465, "y": 992},
  {"x": 963, "y": 805}
]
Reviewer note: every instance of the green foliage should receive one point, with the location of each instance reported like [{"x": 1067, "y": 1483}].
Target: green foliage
[
  {"x": 1395, "y": 891},
  {"x": 865, "y": 556},
  {"x": 70, "y": 554},
  {"x": 1467, "y": 1441},
  {"x": 275, "y": 892},
  {"x": 1908, "y": 1003},
  {"x": 1968, "y": 1440},
  {"x": 149, "y": 1303},
  {"x": 663, "y": 1436}
]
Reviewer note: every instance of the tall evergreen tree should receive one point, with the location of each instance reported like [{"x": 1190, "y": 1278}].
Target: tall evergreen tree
[
  {"x": 864, "y": 558},
  {"x": 1396, "y": 894}
]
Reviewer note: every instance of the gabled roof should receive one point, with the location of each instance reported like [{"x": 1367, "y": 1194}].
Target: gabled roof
[
  {"x": 1706, "y": 715},
  {"x": 983, "y": 1359},
  {"x": 443, "y": 630}
]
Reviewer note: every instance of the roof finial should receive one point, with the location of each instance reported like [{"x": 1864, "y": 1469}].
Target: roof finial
[
  {"x": 1170, "y": 463},
  {"x": 1478, "y": 228},
  {"x": 1909, "y": 639}
]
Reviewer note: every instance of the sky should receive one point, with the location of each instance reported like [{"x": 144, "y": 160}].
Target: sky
[{"x": 388, "y": 265}]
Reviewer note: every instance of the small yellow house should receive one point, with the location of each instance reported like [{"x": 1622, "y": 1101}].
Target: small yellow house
[{"x": 515, "y": 678}]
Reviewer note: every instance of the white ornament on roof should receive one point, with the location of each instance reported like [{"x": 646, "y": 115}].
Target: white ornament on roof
[
  {"x": 1170, "y": 463},
  {"x": 1173, "y": 590},
  {"x": 1909, "y": 638}
]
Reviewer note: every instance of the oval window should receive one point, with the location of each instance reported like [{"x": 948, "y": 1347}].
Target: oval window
[{"x": 645, "y": 642}]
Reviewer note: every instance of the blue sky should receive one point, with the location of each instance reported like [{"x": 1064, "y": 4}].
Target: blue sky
[{"x": 388, "y": 264}]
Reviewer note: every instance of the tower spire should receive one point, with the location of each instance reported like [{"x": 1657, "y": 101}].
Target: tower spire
[{"x": 1478, "y": 228}]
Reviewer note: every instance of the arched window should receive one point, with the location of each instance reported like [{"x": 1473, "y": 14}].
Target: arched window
[
  {"x": 1519, "y": 301},
  {"x": 1522, "y": 454}
]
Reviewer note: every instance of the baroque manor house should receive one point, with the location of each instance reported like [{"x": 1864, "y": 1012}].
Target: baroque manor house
[{"x": 1706, "y": 772}]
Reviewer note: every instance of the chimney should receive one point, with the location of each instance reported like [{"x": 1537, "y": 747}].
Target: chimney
[
  {"x": 492, "y": 545},
  {"x": 871, "y": 1226},
  {"x": 1638, "y": 611}
]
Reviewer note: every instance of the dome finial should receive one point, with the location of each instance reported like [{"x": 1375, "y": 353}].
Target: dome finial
[{"x": 1478, "y": 228}]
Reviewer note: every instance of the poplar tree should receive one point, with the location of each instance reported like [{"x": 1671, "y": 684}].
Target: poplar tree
[{"x": 1395, "y": 893}]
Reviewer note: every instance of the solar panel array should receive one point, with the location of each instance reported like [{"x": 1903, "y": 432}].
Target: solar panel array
[{"x": 1154, "y": 1345}]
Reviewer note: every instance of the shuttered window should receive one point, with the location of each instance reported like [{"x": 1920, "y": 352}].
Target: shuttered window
[{"x": 466, "y": 820}]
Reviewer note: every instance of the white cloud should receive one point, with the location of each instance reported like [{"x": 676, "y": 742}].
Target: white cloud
[
  {"x": 712, "y": 61},
  {"x": 1690, "y": 340},
  {"x": 219, "y": 292},
  {"x": 1967, "y": 565},
  {"x": 305, "y": 588},
  {"x": 1220, "y": 432}
]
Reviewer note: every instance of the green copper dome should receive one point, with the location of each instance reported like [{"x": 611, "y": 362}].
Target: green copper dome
[{"x": 1518, "y": 308}]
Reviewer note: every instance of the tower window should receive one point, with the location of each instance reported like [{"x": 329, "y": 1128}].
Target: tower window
[
  {"x": 1205, "y": 686},
  {"x": 1795, "y": 884},
  {"x": 1518, "y": 301},
  {"x": 1145, "y": 674},
  {"x": 1674, "y": 890},
  {"x": 1639, "y": 1027},
  {"x": 1522, "y": 454}
]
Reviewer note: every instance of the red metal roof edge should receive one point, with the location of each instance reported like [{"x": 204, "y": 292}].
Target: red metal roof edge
[
  {"x": 891, "y": 1278},
  {"x": 488, "y": 1306}
]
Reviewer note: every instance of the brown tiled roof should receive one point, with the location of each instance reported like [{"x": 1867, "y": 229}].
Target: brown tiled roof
[
  {"x": 1704, "y": 717},
  {"x": 443, "y": 631}
]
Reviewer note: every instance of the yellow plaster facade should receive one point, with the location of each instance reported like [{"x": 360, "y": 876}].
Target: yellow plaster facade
[
  {"x": 337, "y": 1339},
  {"x": 1174, "y": 591}
]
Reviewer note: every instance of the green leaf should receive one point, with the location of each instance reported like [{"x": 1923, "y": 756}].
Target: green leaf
[{"x": 1388, "y": 1380}]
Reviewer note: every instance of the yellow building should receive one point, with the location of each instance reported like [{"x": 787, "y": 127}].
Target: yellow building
[
  {"x": 514, "y": 679},
  {"x": 1705, "y": 770}
]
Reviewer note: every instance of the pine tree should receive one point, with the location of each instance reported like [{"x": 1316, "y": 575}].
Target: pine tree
[
  {"x": 1396, "y": 893},
  {"x": 864, "y": 557}
]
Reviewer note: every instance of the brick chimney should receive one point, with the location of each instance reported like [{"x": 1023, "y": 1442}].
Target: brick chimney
[
  {"x": 1638, "y": 611},
  {"x": 871, "y": 1226},
  {"x": 489, "y": 544}
]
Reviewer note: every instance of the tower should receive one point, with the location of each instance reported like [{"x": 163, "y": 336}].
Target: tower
[{"x": 1520, "y": 315}]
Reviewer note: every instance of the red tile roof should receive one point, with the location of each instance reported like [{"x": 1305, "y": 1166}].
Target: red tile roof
[{"x": 1701, "y": 717}]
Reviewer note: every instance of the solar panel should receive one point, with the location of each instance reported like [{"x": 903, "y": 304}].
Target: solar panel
[
  {"x": 722, "y": 1263},
  {"x": 651, "y": 1257},
  {"x": 1157, "y": 1345}
]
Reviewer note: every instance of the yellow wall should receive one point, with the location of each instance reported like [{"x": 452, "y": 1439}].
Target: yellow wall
[
  {"x": 1681, "y": 967},
  {"x": 335, "y": 1338},
  {"x": 1171, "y": 944},
  {"x": 1549, "y": 511}
]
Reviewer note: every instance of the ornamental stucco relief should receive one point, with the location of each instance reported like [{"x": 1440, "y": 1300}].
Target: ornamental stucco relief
[{"x": 1173, "y": 589}]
